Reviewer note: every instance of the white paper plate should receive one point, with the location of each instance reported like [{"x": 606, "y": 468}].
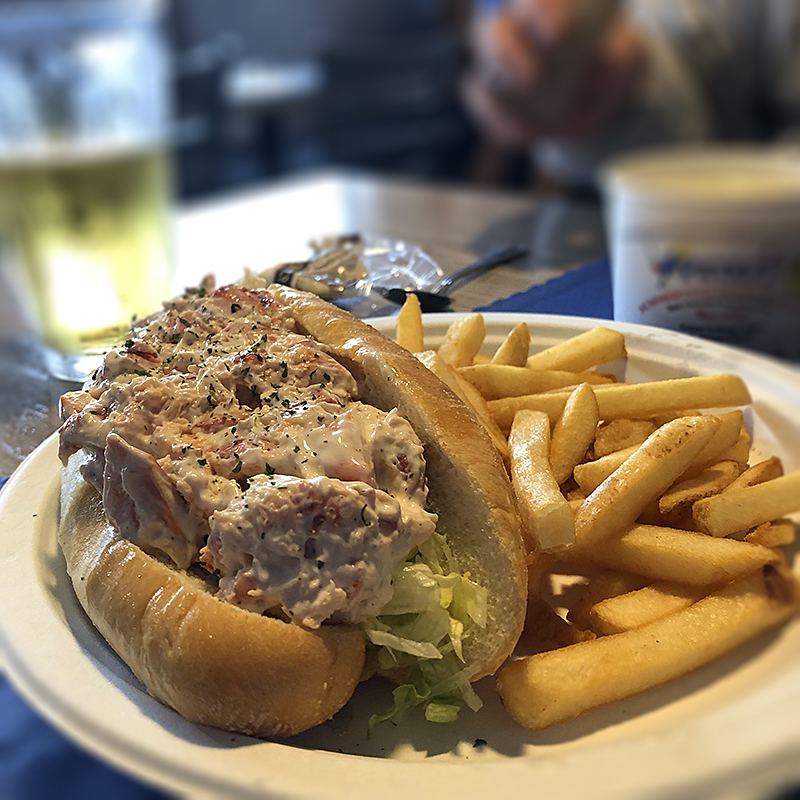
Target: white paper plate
[{"x": 729, "y": 730}]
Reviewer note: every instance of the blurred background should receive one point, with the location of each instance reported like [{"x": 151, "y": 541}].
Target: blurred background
[{"x": 265, "y": 89}]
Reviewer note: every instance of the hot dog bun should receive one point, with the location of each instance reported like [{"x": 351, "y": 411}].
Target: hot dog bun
[
  {"x": 219, "y": 665},
  {"x": 468, "y": 484}
]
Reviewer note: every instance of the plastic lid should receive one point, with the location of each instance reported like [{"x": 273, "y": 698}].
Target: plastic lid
[{"x": 722, "y": 175}]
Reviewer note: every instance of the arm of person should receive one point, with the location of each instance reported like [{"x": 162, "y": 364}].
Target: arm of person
[
  {"x": 635, "y": 86},
  {"x": 665, "y": 105}
]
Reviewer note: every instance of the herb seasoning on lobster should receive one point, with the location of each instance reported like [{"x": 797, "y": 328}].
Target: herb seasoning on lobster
[{"x": 258, "y": 487}]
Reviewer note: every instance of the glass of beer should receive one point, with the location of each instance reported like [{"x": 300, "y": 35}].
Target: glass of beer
[{"x": 85, "y": 191}]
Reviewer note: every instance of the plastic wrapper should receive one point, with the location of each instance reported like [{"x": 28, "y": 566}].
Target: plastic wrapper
[{"x": 351, "y": 271}]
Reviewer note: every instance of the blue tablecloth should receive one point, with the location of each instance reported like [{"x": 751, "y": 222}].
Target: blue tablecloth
[
  {"x": 38, "y": 763},
  {"x": 584, "y": 292}
]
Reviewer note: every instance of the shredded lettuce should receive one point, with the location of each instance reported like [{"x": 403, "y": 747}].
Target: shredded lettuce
[
  {"x": 423, "y": 627},
  {"x": 418, "y": 649}
]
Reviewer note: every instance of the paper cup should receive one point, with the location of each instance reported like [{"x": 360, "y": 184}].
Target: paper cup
[{"x": 707, "y": 241}]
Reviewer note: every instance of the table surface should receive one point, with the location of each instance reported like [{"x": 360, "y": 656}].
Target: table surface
[{"x": 264, "y": 226}]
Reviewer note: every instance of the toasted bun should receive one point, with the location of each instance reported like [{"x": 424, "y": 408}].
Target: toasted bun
[
  {"x": 214, "y": 663},
  {"x": 468, "y": 484},
  {"x": 222, "y": 666}
]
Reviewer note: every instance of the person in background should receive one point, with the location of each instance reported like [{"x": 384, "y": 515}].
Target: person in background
[{"x": 578, "y": 81}]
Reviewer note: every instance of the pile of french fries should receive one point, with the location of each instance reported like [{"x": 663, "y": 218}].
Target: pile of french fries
[{"x": 655, "y": 546}]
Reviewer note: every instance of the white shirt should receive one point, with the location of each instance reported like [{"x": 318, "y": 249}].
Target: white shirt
[{"x": 715, "y": 70}]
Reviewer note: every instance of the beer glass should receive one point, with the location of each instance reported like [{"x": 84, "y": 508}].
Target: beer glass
[{"x": 84, "y": 173}]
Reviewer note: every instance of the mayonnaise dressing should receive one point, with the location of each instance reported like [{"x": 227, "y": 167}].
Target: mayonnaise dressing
[{"x": 219, "y": 435}]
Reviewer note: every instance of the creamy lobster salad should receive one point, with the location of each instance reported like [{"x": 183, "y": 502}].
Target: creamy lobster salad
[{"x": 220, "y": 436}]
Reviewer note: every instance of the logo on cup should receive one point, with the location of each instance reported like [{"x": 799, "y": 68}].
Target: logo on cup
[{"x": 685, "y": 268}]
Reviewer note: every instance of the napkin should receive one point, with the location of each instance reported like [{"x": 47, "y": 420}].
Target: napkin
[
  {"x": 38, "y": 762},
  {"x": 583, "y": 292}
]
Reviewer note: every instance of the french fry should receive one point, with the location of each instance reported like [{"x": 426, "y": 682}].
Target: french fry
[
  {"x": 662, "y": 600},
  {"x": 468, "y": 394},
  {"x": 621, "y": 433},
  {"x": 642, "y": 606},
  {"x": 778, "y": 533},
  {"x": 549, "y": 688},
  {"x": 670, "y": 554},
  {"x": 515, "y": 347},
  {"x": 734, "y": 510},
  {"x": 581, "y": 352},
  {"x": 463, "y": 340},
  {"x": 740, "y": 451},
  {"x": 546, "y": 514},
  {"x": 573, "y": 493},
  {"x": 573, "y": 432},
  {"x": 591, "y": 474},
  {"x": 725, "y": 444},
  {"x": 677, "y": 501},
  {"x": 548, "y": 629},
  {"x": 620, "y": 400},
  {"x": 410, "y": 332},
  {"x": 667, "y": 416},
  {"x": 576, "y": 502},
  {"x": 766, "y": 470},
  {"x": 642, "y": 478},
  {"x": 609, "y": 583},
  {"x": 652, "y": 516},
  {"x": 495, "y": 381}
]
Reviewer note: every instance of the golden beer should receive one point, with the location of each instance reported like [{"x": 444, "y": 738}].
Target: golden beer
[{"x": 87, "y": 239}]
